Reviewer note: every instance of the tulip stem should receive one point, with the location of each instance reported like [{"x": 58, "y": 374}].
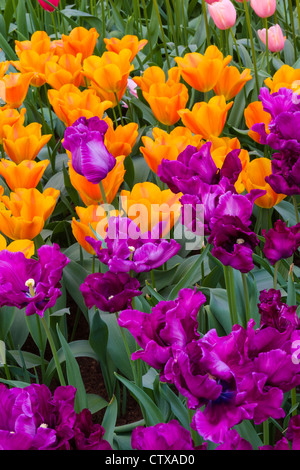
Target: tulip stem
[
  {"x": 246, "y": 292},
  {"x": 119, "y": 108},
  {"x": 298, "y": 12},
  {"x": 229, "y": 283},
  {"x": 275, "y": 274},
  {"x": 266, "y": 432},
  {"x": 252, "y": 44},
  {"x": 267, "y": 45},
  {"x": 162, "y": 32},
  {"x": 294, "y": 401},
  {"x": 296, "y": 208},
  {"x": 206, "y": 22},
  {"x": 54, "y": 352},
  {"x": 293, "y": 26}
]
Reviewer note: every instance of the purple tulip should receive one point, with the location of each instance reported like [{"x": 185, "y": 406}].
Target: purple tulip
[
  {"x": 282, "y": 444},
  {"x": 110, "y": 292},
  {"x": 233, "y": 441},
  {"x": 163, "y": 436},
  {"x": 30, "y": 283},
  {"x": 293, "y": 432},
  {"x": 281, "y": 241},
  {"x": 89, "y": 435},
  {"x": 126, "y": 248},
  {"x": 90, "y": 157}
]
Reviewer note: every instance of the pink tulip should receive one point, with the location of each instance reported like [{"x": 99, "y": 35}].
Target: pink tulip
[
  {"x": 263, "y": 8},
  {"x": 276, "y": 39},
  {"x": 223, "y": 13},
  {"x": 211, "y": 1},
  {"x": 46, "y": 6}
]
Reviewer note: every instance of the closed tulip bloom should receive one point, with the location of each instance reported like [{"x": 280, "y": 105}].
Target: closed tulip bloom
[
  {"x": 14, "y": 88},
  {"x": 24, "y": 212},
  {"x": 254, "y": 178},
  {"x": 120, "y": 140},
  {"x": 147, "y": 204},
  {"x": 167, "y": 145},
  {"x": 24, "y": 142},
  {"x": 25, "y": 246},
  {"x": 202, "y": 71},
  {"x": 281, "y": 241},
  {"x": 69, "y": 104},
  {"x": 128, "y": 41},
  {"x": 263, "y": 8},
  {"x": 90, "y": 193},
  {"x": 39, "y": 42},
  {"x": 9, "y": 116},
  {"x": 80, "y": 40},
  {"x": 207, "y": 119},
  {"x": 108, "y": 74},
  {"x": 67, "y": 69},
  {"x": 166, "y": 100},
  {"x": 231, "y": 82},
  {"x": 91, "y": 218},
  {"x": 48, "y": 7},
  {"x": 223, "y": 14},
  {"x": 26, "y": 174},
  {"x": 254, "y": 113},
  {"x": 155, "y": 74},
  {"x": 276, "y": 39},
  {"x": 32, "y": 61}
]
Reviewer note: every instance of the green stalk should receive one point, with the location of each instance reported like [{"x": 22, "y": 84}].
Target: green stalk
[
  {"x": 275, "y": 274},
  {"x": 267, "y": 44},
  {"x": 252, "y": 44},
  {"x": 229, "y": 282},
  {"x": 294, "y": 401},
  {"x": 298, "y": 12},
  {"x": 148, "y": 29},
  {"x": 266, "y": 432},
  {"x": 246, "y": 292},
  {"x": 206, "y": 22},
  {"x": 293, "y": 26},
  {"x": 54, "y": 352},
  {"x": 119, "y": 109},
  {"x": 162, "y": 32},
  {"x": 135, "y": 377},
  {"x": 296, "y": 208}
]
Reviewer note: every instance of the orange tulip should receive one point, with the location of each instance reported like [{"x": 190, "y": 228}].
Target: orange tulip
[
  {"x": 80, "y": 40},
  {"x": 148, "y": 205},
  {"x": 254, "y": 178},
  {"x": 285, "y": 77},
  {"x": 39, "y": 42},
  {"x": 69, "y": 104},
  {"x": 26, "y": 174},
  {"x": 202, "y": 71},
  {"x": 24, "y": 142},
  {"x": 231, "y": 82},
  {"x": 108, "y": 74},
  {"x": 126, "y": 42},
  {"x": 4, "y": 67},
  {"x": 120, "y": 141},
  {"x": 254, "y": 114},
  {"x": 207, "y": 119},
  {"x": 154, "y": 74},
  {"x": 14, "y": 88},
  {"x": 92, "y": 216},
  {"x": 32, "y": 61},
  {"x": 26, "y": 246},
  {"x": 167, "y": 145},
  {"x": 25, "y": 212},
  {"x": 67, "y": 70},
  {"x": 166, "y": 100},
  {"x": 89, "y": 192},
  {"x": 9, "y": 116}
]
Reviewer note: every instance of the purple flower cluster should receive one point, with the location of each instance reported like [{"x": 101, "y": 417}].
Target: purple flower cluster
[
  {"x": 225, "y": 218},
  {"x": 30, "y": 283},
  {"x": 32, "y": 419},
  {"x": 284, "y": 137},
  {"x": 241, "y": 376},
  {"x": 281, "y": 241}
]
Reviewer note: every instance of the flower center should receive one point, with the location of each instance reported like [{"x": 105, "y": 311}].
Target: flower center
[
  {"x": 30, "y": 283},
  {"x": 132, "y": 250},
  {"x": 240, "y": 241}
]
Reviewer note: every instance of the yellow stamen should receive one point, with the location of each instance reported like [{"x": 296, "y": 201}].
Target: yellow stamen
[{"x": 30, "y": 283}]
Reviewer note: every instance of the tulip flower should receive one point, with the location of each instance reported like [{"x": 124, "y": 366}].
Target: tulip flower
[
  {"x": 24, "y": 212},
  {"x": 89, "y": 192},
  {"x": 34, "y": 62},
  {"x": 254, "y": 178},
  {"x": 39, "y": 42},
  {"x": 276, "y": 39},
  {"x": 281, "y": 241},
  {"x": 85, "y": 140},
  {"x": 14, "y": 88},
  {"x": 69, "y": 104},
  {"x": 207, "y": 119},
  {"x": 67, "y": 69},
  {"x": 26, "y": 174},
  {"x": 167, "y": 145},
  {"x": 231, "y": 82},
  {"x": 202, "y": 71},
  {"x": 154, "y": 75},
  {"x": 147, "y": 205},
  {"x": 108, "y": 74},
  {"x": 128, "y": 41},
  {"x": 285, "y": 77},
  {"x": 263, "y": 8},
  {"x": 80, "y": 40},
  {"x": 254, "y": 113},
  {"x": 48, "y": 7},
  {"x": 25, "y": 246},
  {"x": 120, "y": 141},
  {"x": 91, "y": 218},
  {"x": 9, "y": 116},
  {"x": 24, "y": 142},
  {"x": 223, "y": 14}
]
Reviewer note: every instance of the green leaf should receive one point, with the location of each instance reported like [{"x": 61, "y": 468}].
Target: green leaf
[
  {"x": 74, "y": 375},
  {"x": 95, "y": 402},
  {"x": 178, "y": 408},
  {"x": 110, "y": 419}
]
